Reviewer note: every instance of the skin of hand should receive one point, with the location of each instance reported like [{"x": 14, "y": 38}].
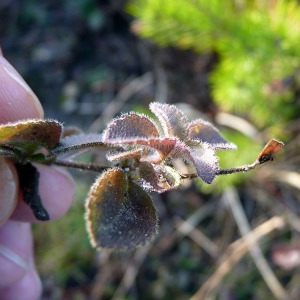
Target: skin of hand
[{"x": 18, "y": 276}]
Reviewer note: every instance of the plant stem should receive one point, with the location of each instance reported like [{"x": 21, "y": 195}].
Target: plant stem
[
  {"x": 244, "y": 168},
  {"x": 79, "y": 165}
]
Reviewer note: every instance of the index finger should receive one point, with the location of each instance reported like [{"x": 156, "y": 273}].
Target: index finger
[{"x": 17, "y": 100}]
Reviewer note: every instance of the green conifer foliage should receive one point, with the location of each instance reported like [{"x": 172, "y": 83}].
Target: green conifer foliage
[{"x": 258, "y": 43}]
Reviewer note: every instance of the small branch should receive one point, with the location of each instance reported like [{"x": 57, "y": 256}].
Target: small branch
[
  {"x": 244, "y": 168},
  {"x": 239, "y": 169},
  {"x": 79, "y": 165}
]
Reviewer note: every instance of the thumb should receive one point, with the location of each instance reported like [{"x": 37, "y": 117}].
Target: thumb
[{"x": 17, "y": 100}]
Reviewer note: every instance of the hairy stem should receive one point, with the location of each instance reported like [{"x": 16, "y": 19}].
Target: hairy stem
[
  {"x": 79, "y": 165},
  {"x": 239, "y": 169},
  {"x": 244, "y": 168}
]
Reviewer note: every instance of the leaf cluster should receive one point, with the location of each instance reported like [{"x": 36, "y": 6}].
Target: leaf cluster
[{"x": 140, "y": 156}]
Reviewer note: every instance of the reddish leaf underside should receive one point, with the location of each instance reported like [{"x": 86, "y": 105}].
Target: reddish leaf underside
[
  {"x": 161, "y": 146},
  {"x": 120, "y": 214}
]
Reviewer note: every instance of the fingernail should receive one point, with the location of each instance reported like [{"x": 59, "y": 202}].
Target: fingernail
[
  {"x": 21, "y": 82},
  {"x": 8, "y": 191}
]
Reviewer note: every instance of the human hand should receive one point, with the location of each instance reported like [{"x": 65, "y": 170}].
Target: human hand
[{"x": 18, "y": 275}]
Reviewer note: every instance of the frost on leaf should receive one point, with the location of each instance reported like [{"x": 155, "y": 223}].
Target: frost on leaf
[
  {"x": 120, "y": 214},
  {"x": 173, "y": 121},
  {"x": 128, "y": 127},
  {"x": 205, "y": 132}
]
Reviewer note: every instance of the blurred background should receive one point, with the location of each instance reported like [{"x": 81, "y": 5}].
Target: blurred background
[{"x": 235, "y": 63}]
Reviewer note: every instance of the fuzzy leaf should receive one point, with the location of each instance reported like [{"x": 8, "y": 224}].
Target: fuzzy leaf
[
  {"x": 205, "y": 132},
  {"x": 120, "y": 214},
  {"x": 162, "y": 147},
  {"x": 31, "y": 134},
  {"x": 270, "y": 149},
  {"x": 158, "y": 178},
  {"x": 129, "y": 126},
  {"x": 173, "y": 121},
  {"x": 201, "y": 156}
]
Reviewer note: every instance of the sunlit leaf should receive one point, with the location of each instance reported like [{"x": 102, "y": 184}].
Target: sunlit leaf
[
  {"x": 31, "y": 134},
  {"x": 269, "y": 151},
  {"x": 205, "y": 132},
  {"x": 201, "y": 156},
  {"x": 158, "y": 178},
  {"x": 129, "y": 126},
  {"x": 173, "y": 121},
  {"x": 120, "y": 214}
]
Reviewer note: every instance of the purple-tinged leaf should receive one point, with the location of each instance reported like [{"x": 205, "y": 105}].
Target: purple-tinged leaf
[
  {"x": 158, "y": 178},
  {"x": 201, "y": 156},
  {"x": 205, "y": 132},
  {"x": 162, "y": 147},
  {"x": 173, "y": 121},
  {"x": 130, "y": 126},
  {"x": 120, "y": 214}
]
